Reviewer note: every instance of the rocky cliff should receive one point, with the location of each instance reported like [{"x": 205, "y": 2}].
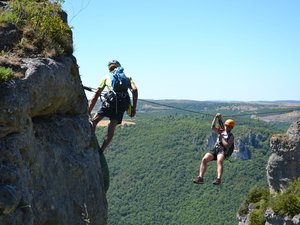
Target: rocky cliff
[
  {"x": 284, "y": 163},
  {"x": 283, "y": 167},
  {"x": 50, "y": 170}
]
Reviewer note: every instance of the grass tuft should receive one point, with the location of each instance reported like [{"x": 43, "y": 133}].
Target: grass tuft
[{"x": 5, "y": 73}]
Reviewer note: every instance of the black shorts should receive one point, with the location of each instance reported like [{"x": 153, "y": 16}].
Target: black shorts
[
  {"x": 114, "y": 108},
  {"x": 216, "y": 151}
]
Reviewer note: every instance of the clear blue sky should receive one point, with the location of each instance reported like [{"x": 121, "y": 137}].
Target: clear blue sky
[{"x": 192, "y": 49}]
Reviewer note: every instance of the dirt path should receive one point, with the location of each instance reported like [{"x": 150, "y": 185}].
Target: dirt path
[{"x": 104, "y": 123}]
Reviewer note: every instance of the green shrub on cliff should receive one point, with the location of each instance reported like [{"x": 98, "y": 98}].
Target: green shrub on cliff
[
  {"x": 288, "y": 202},
  {"x": 257, "y": 217},
  {"x": 285, "y": 203},
  {"x": 40, "y": 22},
  {"x": 259, "y": 197},
  {"x": 257, "y": 194},
  {"x": 5, "y": 73}
]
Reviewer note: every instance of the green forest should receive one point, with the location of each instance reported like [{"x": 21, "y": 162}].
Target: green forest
[{"x": 152, "y": 165}]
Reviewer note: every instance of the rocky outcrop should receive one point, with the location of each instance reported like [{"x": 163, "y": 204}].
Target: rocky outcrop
[
  {"x": 50, "y": 170},
  {"x": 284, "y": 162},
  {"x": 283, "y": 167},
  {"x": 241, "y": 150},
  {"x": 243, "y": 143},
  {"x": 273, "y": 219},
  {"x": 270, "y": 218}
]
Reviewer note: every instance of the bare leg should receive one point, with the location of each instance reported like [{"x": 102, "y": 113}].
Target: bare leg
[
  {"x": 95, "y": 120},
  {"x": 220, "y": 159},
  {"x": 110, "y": 133},
  {"x": 207, "y": 157}
]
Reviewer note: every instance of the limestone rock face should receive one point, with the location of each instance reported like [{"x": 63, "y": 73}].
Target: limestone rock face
[
  {"x": 273, "y": 219},
  {"x": 283, "y": 167},
  {"x": 241, "y": 150},
  {"x": 284, "y": 162},
  {"x": 50, "y": 170}
]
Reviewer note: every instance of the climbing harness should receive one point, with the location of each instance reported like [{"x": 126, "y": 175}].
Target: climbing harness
[{"x": 112, "y": 97}]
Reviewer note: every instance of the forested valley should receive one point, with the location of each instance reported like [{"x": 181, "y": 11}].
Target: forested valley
[{"x": 152, "y": 164}]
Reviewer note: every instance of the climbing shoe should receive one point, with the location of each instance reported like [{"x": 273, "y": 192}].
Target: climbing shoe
[
  {"x": 217, "y": 181},
  {"x": 198, "y": 180}
]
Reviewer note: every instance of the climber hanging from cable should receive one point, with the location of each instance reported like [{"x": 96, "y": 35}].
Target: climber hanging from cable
[
  {"x": 223, "y": 149},
  {"x": 116, "y": 100}
]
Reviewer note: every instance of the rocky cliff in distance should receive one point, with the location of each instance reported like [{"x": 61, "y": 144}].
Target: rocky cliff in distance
[{"x": 284, "y": 163}]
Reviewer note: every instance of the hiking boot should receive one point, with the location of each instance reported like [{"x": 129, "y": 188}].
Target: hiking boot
[
  {"x": 198, "y": 180},
  {"x": 217, "y": 181}
]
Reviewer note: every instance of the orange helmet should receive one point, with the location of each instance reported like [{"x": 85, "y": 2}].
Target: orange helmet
[{"x": 230, "y": 122}]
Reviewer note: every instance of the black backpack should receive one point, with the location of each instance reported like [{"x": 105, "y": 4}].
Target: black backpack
[{"x": 229, "y": 151}]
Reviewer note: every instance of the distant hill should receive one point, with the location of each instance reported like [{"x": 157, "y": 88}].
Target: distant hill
[
  {"x": 279, "y": 112},
  {"x": 152, "y": 163},
  {"x": 276, "y": 111}
]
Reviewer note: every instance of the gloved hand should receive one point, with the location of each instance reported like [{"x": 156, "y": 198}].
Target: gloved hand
[{"x": 218, "y": 115}]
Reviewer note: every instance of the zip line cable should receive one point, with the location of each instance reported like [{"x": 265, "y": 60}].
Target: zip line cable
[
  {"x": 174, "y": 107},
  {"x": 232, "y": 115},
  {"x": 205, "y": 114}
]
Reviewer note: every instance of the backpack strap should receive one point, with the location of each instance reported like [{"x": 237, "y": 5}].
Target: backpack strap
[
  {"x": 229, "y": 136},
  {"x": 229, "y": 150}
]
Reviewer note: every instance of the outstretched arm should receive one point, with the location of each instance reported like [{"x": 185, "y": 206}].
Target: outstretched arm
[
  {"x": 213, "y": 123},
  {"x": 94, "y": 100}
]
